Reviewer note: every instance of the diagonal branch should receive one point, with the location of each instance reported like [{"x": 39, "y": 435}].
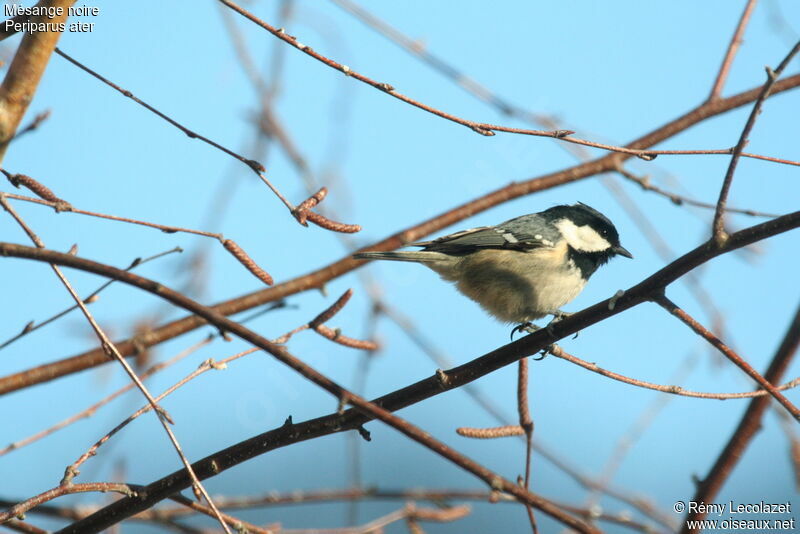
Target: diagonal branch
[
  {"x": 478, "y": 127},
  {"x": 319, "y": 277},
  {"x": 102, "y": 520},
  {"x": 113, "y": 353},
  {"x": 365, "y": 411},
  {"x": 729, "y": 353},
  {"x": 750, "y": 424},
  {"x": 772, "y": 77},
  {"x": 733, "y": 48},
  {"x": 558, "y": 352},
  {"x": 254, "y": 165}
]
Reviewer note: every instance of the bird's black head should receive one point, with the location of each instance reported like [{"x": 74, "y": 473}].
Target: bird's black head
[{"x": 591, "y": 236}]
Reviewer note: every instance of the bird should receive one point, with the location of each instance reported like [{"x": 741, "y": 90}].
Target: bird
[{"x": 525, "y": 268}]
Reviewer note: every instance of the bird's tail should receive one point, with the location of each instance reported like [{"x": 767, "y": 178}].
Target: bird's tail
[{"x": 419, "y": 256}]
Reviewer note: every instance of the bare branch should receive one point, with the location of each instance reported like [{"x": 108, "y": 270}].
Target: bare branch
[
  {"x": 729, "y": 353},
  {"x": 23, "y": 76},
  {"x": 733, "y": 47},
  {"x": 486, "y": 403},
  {"x": 558, "y": 352},
  {"x": 33, "y": 125},
  {"x": 708, "y": 488},
  {"x": 32, "y": 326},
  {"x": 319, "y": 277},
  {"x": 64, "y": 489},
  {"x": 113, "y": 353},
  {"x": 481, "y": 128},
  {"x": 103, "y": 519},
  {"x": 718, "y": 228},
  {"x": 255, "y": 166},
  {"x": 88, "y": 412},
  {"x": 679, "y": 200},
  {"x": 526, "y": 423},
  {"x": 530, "y": 344}
]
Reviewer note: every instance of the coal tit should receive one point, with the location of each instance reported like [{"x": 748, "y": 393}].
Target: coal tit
[{"x": 525, "y": 268}]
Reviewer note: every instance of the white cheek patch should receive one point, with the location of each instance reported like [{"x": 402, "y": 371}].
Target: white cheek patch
[{"x": 583, "y": 238}]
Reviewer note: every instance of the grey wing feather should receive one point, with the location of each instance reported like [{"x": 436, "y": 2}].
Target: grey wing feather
[{"x": 522, "y": 233}]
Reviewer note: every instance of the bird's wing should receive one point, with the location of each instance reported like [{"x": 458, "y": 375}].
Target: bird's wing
[{"x": 522, "y": 233}]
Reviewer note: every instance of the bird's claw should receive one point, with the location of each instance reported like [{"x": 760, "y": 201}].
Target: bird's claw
[
  {"x": 528, "y": 327},
  {"x": 559, "y": 315}
]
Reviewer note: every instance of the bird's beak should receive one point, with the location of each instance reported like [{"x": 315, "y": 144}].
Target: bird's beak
[{"x": 622, "y": 251}]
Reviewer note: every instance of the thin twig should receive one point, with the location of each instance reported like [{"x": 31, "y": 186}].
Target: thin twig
[
  {"x": 680, "y": 200},
  {"x": 332, "y": 334},
  {"x": 230, "y": 245},
  {"x": 733, "y": 47},
  {"x": 236, "y": 523},
  {"x": 729, "y": 353},
  {"x": 254, "y": 165},
  {"x": 486, "y": 403},
  {"x": 32, "y": 326},
  {"x": 204, "y": 367},
  {"x": 19, "y": 509},
  {"x": 111, "y": 350},
  {"x": 33, "y": 125},
  {"x": 749, "y": 425},
  {"x": 418, "y": 50},
  {"x": 718, "y": 226},
  {"x": 319, "y": 277},
  {"x": 71, "y": 209},
  {"x": 438, "y": 383},
  {"x": 100, "y": 520},
  {"x": 481, "y": 128},
  {"x": 558, "y": 352},
  {"x": 88, "y": 412},
  {"x": 526, "y": 423}
]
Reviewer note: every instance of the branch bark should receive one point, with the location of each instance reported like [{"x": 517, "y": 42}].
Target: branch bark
[
  {"x": 319, "y": 277},
  {"x": 27, "y": 68},
  {"x": 365, "y": 411},
  {"x": 709, "y": 487}
]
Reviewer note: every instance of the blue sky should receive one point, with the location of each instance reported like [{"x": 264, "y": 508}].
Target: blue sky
[{"x": 612, "y": 72}]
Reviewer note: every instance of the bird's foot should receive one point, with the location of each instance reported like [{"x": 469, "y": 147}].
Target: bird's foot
[
  {"x": 530, "y": 328},
  {"x": 559, "y": 315},
  {"x": 527, "y": 327}
]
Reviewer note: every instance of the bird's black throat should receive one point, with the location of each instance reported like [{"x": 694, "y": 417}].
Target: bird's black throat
[{"x": 588, "y": 262}]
